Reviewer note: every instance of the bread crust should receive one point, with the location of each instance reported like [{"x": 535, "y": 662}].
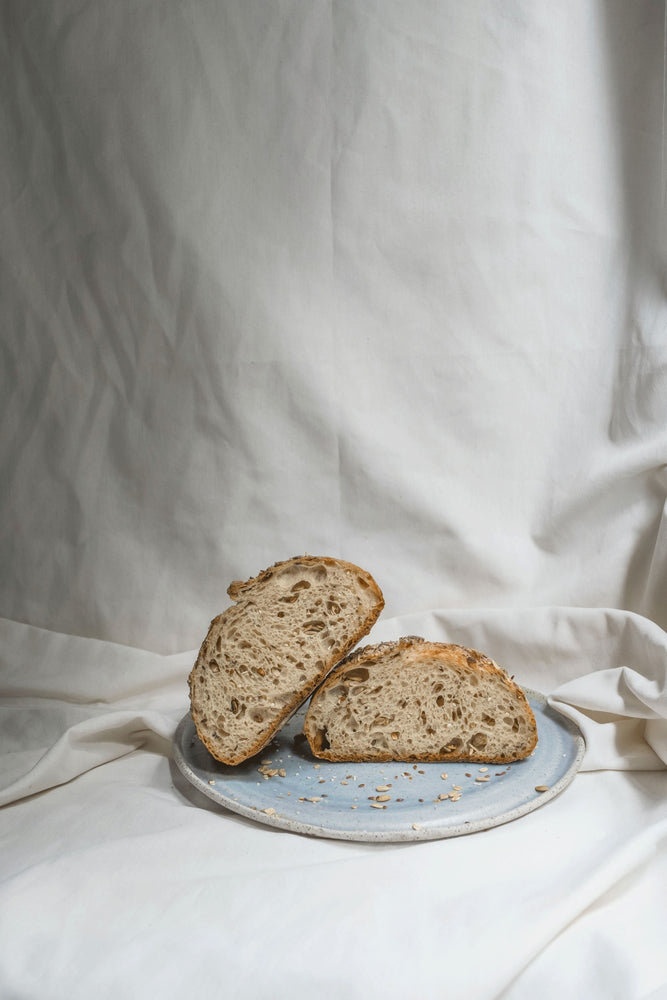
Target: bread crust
[
  {"x": 240, "y": 591},
  {"x": 463, "y": 658}
]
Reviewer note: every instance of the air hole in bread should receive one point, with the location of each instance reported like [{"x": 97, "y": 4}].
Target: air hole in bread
[
  {"x": 289, "y": 598},
  {"x": 313, "y": 626},
  {"x": 488, "y": 719},
  {"x": 214, "y": 666},
  {"x": 320, "y": 741},
  {"x": 301, "y": 585},
  {"x": 478, "y": 741},
  {"x": 359, "y": 674},
  {"x": 440, "y": 701},
  {"x": 379, "y": 721},
  {"x": 362, "y": 583},
  {"x": 507, "y": 721},
  {"x": 333, "y": 607}
]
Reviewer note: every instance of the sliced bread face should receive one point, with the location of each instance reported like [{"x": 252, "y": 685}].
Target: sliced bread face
[
  {"x": 413, "y": 700},
  {"x": 265, "y": 655}
]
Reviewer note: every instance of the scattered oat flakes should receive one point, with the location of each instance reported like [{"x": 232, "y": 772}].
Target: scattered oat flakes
[
  {"x": 541, "y": 788},
  {"x": 382, "y": 788},
  {"x": 484, "y": 769},
  {"x": 383, "y": 798},
  {"x": 457, "y": 788},
  {"x": 443, "y": 776},
  {"x": 416, "y": 826},
  {"x": 345, "y": 782},
  {"x": 211, "y": 781},
  {"x": 377, "y": 805},
  {"x": 316, "y": 767},
  {"x": 481, "y": 779},
  {"x": 269, "y": 811}
]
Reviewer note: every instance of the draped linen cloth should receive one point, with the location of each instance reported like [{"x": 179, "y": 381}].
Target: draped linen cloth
[{"x": 373, "y": 279}]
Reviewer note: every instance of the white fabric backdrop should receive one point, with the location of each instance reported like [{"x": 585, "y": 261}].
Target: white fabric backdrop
[{"x": 380, "y": 280}]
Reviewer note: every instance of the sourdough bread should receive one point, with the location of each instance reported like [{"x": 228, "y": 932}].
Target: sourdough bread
[
  {"x": 264, "y": 656},
  {"x": 416, "y": 700}
]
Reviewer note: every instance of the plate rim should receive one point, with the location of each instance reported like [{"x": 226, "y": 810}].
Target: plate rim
[{"x": 430, "y": 832}]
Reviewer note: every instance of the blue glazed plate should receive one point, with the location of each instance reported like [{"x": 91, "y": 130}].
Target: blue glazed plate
[{"x": 286, "y": 787}]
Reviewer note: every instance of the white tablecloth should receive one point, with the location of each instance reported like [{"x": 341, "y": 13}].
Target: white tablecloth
[{"x": 377, "y": 279}]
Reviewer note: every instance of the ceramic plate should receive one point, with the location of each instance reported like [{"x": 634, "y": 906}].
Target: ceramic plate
[{"x": 285, "y": 786}]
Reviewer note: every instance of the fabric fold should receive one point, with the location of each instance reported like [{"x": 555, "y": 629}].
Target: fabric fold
[
  {"x": 623, "y": 715},
  {"x": 89, "y": 744}
]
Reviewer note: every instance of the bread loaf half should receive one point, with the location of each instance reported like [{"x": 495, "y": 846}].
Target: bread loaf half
[
  {"x": 417, "y": 700},
  {"x": 264, "y": 656}
]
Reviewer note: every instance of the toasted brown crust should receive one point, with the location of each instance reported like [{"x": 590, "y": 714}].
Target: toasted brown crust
[
  {"x": 238, "y": 591},
  {"x": 237, "y": 587},
  {"x": 461, "y": 657}
]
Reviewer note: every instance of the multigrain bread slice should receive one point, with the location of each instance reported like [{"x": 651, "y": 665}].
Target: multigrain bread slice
[
  {"x": 264, "y": 656},
  {"x": 416, "y": 700}
]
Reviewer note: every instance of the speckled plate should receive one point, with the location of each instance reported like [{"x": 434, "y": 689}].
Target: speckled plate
[{"x": 285, "y": 786}]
